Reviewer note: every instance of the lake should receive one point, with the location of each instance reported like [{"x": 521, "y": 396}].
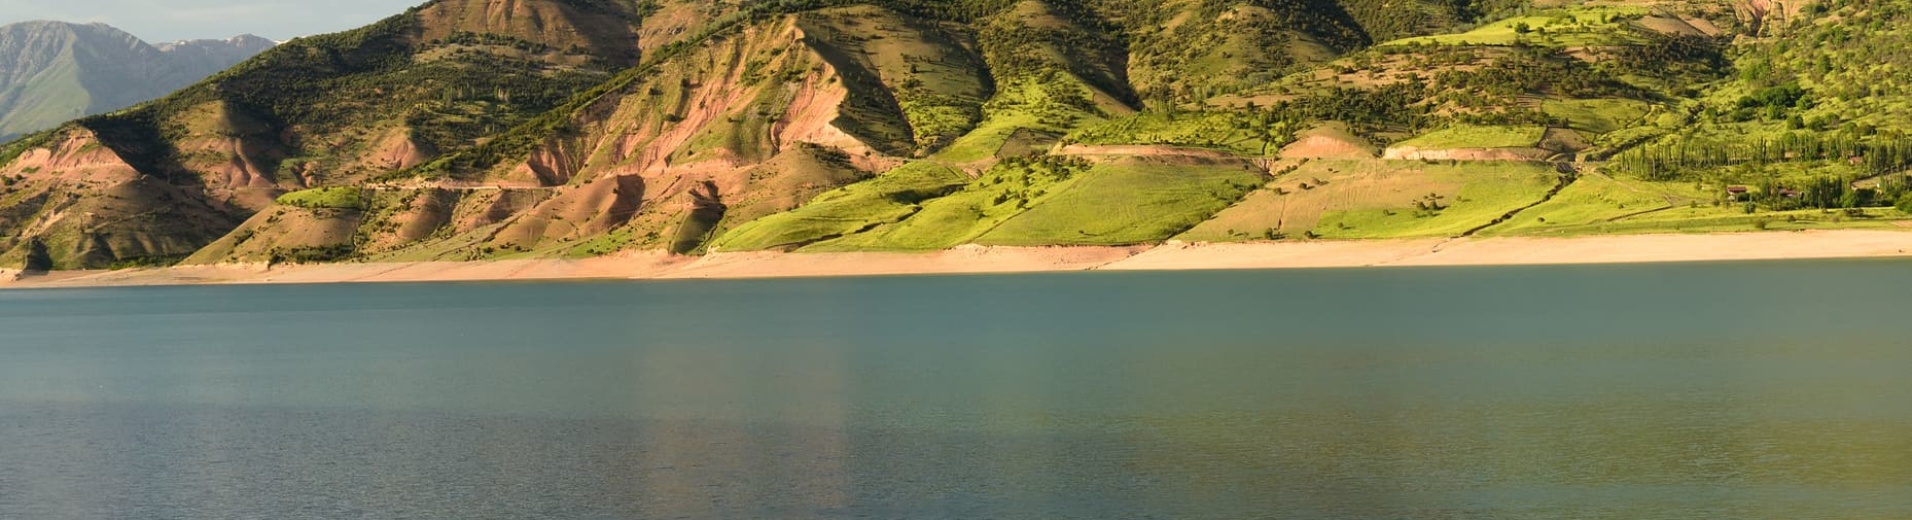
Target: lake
[{"x": 1734, "y": 391}]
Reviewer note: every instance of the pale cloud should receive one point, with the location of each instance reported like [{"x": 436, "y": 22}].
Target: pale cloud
[{"x": 167, "y": 20}]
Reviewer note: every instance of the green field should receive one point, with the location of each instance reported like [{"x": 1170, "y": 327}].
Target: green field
[
  {"x": 1050, "y": 105},
  {"x": 1019, "y": 205},
  {"x": 1231, "y": 132},
  {"x": 1594, "y": 199},
  {"x": 1713, "y": 220},
  {"x": 1602, "y": 205},
  {"x": 1597, "y": 116},
  {"x": 1127, "y": 204},
  {"x": 988, "y": 139},
  {"x": 1000, "y": 194},
  {"x": 1487, "y": 193},
  {"x": 325, "y": 198},
  {"x": 887, "y": 198},
  {"x": 1378, "y": 199},
  {"x": 1471, "y": 136}
]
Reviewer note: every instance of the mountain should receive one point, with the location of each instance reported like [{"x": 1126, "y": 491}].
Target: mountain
[
  {"x": 483, "y": 129},
  {"x": 53, "y": 72},
  {"x": 203, "y": 58}
]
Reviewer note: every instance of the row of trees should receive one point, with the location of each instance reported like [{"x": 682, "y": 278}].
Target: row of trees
[
  {"x": 1682, "y": 158},
  {"x": 1825, "y": 192}
]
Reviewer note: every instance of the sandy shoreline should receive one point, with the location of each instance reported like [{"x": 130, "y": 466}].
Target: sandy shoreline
[{"x": 978, "y": 260}]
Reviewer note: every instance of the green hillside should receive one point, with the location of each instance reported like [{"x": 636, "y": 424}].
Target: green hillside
[{"x": 484, "y": 129}]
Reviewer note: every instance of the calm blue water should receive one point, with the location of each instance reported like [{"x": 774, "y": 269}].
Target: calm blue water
[{"x": 1743, "y": 391}]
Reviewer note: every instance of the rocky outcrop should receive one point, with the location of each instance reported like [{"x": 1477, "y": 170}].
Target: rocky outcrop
[{"x": 72, "y": 156}]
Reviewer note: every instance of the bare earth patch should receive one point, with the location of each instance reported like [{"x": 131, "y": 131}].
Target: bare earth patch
[{"x": 1329, "y": 142}]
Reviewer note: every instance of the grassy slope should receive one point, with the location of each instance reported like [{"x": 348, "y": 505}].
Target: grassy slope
[
  {"x": 321, "y": 198},
  {"x": 890, "y": 197},
  {"x": 1597, "y": 116},
  {"x": 1110, "y": 204},
  {"x": 1184, "y": 51},
  {"x": 1379, "y": 199},
  {"x": 1469, "y": 136},
  {"x": 1603, "y": 205},
  {"x": 1240, "y": 133},
  {"x": 1001, "y": 194},
  {"x": 1596, "y": 199},
  {"x": 1127, "y": 204},
  {"x": 1483, "y": 197},
  {"x": 1576, "y": 27}
]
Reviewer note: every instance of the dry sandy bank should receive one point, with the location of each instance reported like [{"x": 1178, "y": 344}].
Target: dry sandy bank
[{"x": 976, "y": 259}]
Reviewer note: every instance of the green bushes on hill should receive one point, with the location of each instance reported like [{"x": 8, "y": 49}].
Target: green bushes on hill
[{"x": 325, "y": 198}]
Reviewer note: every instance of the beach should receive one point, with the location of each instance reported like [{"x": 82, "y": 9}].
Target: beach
[{"x": 990, "y": 259}]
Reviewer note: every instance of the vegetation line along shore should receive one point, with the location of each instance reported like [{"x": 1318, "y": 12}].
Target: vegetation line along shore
[{"x": 1395, "y": 253}]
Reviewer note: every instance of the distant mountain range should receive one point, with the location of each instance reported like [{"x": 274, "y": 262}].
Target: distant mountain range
[{"x": 54, "y": 72}]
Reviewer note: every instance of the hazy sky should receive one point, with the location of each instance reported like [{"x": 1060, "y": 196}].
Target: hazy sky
[{"x": 168, "y": 20}]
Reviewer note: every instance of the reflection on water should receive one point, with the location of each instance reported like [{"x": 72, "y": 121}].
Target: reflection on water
[{"x": 1757, "y": 391}]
